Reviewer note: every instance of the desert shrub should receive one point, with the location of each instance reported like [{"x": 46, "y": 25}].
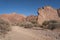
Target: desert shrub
[
  {"x": 4, "y": 26},
  {"x": 33, "y": 21},
  {"x": 50, "y": 24},
  {"x": 26, "y": 24},
  {"x": 45, "y": 23},
  {"x": 21, "y": 24},
  {"x": 37, "y": 25}
]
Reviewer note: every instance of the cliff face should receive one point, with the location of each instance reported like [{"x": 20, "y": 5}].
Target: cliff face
[{"x": 47, "y": 13}]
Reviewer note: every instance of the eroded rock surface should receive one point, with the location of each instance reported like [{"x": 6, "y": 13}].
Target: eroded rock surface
[
  {"x": 47, "y": 13},
  {"x": 13, "y": 17}
]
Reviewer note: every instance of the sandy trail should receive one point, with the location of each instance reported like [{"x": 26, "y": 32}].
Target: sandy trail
[{"x": 19, "y": 33}]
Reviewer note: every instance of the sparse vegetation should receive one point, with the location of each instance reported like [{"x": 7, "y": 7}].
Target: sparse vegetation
[
  {"x": 52, "y": 24},
  {"x": 28, "y": 24},
  {"x": 33, "y": 21},
  {"x": 4, "y": 27}
]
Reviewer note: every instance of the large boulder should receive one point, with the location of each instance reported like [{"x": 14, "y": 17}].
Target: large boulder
[{"x": 47, "y": 13}]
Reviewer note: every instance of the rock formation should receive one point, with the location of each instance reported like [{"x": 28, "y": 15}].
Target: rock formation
[
  {"x": 44, "y": 14},
  {"x": 13, "y": 18},
  {"x": 47, "y": 13},
  {"x": 58, "y": 10},
  {"x": 31, "y": 18}
]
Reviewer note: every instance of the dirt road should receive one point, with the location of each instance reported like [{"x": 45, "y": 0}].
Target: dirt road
[{"x": 19, "y": 33}]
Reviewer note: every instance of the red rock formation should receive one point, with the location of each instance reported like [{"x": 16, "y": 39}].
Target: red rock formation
[
  {"x": 58, "y": 10},
  {"x": 14, "y": 18},
  {"x": 31, "y": 18},
  {"x": 47, "y": 13}
]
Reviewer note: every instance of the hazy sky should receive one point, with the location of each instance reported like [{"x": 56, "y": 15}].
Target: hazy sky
[{"x": 25, "y": 7}]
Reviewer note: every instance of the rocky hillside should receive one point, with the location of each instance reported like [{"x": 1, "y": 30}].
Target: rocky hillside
[
  {"x": 44, "y": 13},
  {"x": 13, "y": 17}
]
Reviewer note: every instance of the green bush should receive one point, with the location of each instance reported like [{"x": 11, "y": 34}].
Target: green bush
[{"x": 4, "y": 26}]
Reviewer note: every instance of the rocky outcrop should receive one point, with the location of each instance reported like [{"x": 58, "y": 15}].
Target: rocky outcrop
[
  {"x": 47, "y": 13},
  {"x": 31, "y": 18},
  {"x": 58, "y": 10},
  {"x": 13, "y": 18}
]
